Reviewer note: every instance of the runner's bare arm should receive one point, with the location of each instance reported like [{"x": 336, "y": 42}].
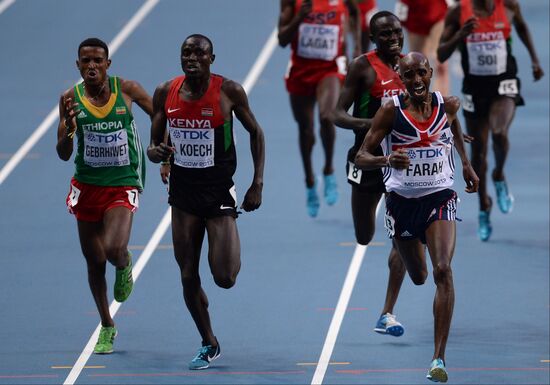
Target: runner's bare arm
[
  {"x": 137, "y": 94},
  {"x": 158, "y": 151},
  {"x": 355, "y": 25},
  {"x": 290, "y": 21},
  {"x": 236, "y": 94},
  {"x": 67, "y": 125},
  {"x": 360, "y": 76},
  {"x": 381, "y": 126},
  {"x": 452, "y": 105},
  {"x": 525, "y": 36},
  {"x": 452, "y": 33}
]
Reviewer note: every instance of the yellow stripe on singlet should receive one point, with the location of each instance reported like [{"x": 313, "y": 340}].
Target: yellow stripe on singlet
[{"x": 103, "y": 111}]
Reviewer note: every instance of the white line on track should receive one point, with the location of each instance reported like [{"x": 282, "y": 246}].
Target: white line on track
[
  {"x": 340, "y": 310},
  {"x": 161, "y": 229},
  {"x": 115, "y": 44},
  {"x": 4, "y": 4}
]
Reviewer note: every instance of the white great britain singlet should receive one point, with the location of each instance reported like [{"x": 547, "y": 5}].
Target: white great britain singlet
[{"x": 430, "y": 148}]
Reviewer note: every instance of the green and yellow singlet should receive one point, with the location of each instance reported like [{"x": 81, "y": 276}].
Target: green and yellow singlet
[{"x": 109, "y": 151}]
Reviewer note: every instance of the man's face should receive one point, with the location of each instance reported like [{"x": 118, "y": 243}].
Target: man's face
[
  {"x": 196, "y": 56},
  {"x": 388, "y": 36},
  {"x": 93, "y": 64},
  {"x": 416, "y": 74}
]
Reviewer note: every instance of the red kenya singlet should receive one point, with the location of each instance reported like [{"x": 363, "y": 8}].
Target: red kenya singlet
[{"x": 203, "y": 139}]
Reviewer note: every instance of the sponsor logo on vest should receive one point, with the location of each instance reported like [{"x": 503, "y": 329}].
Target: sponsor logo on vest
[
  {"x": 108, "y": 138},
  {"x": 189, "y": 123},
  {"x": 425, "y": 153},
  {"x": 81, "y": 115},
  {"x": 193, "y": 135}
]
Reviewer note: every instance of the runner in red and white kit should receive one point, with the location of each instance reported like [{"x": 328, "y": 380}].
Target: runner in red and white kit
[
  {"x": 367, "y": 8},
  {"x": 198, "y": 109},
  {"x": 423, "y": 20},
  {"x": 371, "y": 81},
  {"x": 481, "y": 30},
  {"x": 420, "y": 129},
  {"x": 316, "y": 31}
]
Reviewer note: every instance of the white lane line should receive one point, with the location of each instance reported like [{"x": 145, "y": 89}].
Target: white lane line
[
  {"x": 5, "y": 5},
  {"x": 113, "y": 309},
  {"x": 161, "y": 229},
  {"x": 340, "y": 311},
  {"x": 53, "y": 115}
]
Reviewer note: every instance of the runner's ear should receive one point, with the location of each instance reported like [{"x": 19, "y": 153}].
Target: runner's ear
[{"x": 212, "y": 57}]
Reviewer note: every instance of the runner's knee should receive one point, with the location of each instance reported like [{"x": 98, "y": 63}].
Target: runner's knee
[
  {"x": 225, "y": 280},
  {"x": 443, "y": 273},
  {"x": 363, "y": 238},
  {"x": 419, "y": 277}
]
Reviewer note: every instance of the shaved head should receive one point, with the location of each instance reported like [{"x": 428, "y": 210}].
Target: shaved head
[{"x": 414, "y": 58}]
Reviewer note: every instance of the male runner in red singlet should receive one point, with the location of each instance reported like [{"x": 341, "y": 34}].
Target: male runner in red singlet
[
  {"x": 367, "y": 8},
  {"x": 372, "y": 80},
  {"x": 316, "y": 31},
  {"x": 481, "y": 29},
  {"x": 109, "y": 175},
  {"x": 198, "y": 108},
  {"x": 420, "y": 129},
  {"x": 424, "y": 20}
]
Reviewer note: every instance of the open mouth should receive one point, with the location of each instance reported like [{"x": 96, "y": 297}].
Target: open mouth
[{"x": 419, "y": 90}]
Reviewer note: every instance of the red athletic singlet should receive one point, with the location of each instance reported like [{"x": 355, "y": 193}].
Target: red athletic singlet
[
  {"x": 317, "y": 50},
  {"x": 203, "y": 139}
]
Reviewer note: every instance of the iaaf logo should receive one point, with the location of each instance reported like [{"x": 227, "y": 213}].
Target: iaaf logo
[
  {"x": 425, "y": 153},
  {"x": 107, "y": 138}
]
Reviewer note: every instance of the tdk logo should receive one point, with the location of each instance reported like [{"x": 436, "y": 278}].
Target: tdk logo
[
  {"x": 109, "y": 138},
  {"x": 425, "y": 153},
  {"x": 191, "y": 134}
]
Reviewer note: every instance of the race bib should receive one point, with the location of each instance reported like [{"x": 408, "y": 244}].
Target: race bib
[
  {"x": 106, "y": 149},
  {"x": 389, "y": 224},
  {"x": 468, "y": 103},
  {"x": 508, "y": 87},
  {"x": 426, "y": 168},
  {"x": 73, "y": 196},
  {"x": 194, "y": 147},
  {"x": 316, "y": 41},
  {"x": 354, "y": 173},
  {"x": 487, "y": 53},
  {"x": 133, "y": 197}
]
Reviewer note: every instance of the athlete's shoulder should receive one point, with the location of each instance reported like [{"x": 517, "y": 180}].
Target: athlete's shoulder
[
  {"x": 512, "y": 5},
  {"x": 230, "y": 87},
  {"x": 127, "y": 85}
]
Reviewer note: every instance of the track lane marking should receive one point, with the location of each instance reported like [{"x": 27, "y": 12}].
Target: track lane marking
[{"x": 341, "y": 306}]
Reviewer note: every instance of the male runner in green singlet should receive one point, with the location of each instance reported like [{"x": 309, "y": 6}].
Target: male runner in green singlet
[{"x": 110, "y": 172}]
